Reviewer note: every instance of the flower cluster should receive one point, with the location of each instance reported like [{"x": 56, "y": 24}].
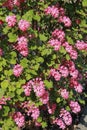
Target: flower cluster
[
  {"x": 65, "y": 119},
  {"x": 11, "y": 20},
  {"x": 75, "y": 107},
  {"x": 81, "y": 45},
  {"x": 59, "y": 13},
  {"x": 17, "y": 70},
  {"x": 23, "y": 25},
  {"x": 19, "y": 119},
  {"x": 38, "y": 87},
  {"x": 22, "y": 46},
  {"x": 3, "y": 101},
  {"x": 72, "y": 52},
  {"x": 64, "y": 93},
  {"x": 31, "y": 109}
]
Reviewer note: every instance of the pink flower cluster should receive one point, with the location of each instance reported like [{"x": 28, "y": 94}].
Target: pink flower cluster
[
  {"x": 58, "y": 37},
  {"x": 54, "y": 73},
  {"x": 11, "y": 20},
  {"x": 51, "y": 108},
  {"x": 17, "y": 70},
  {"x": 58, "y": 34},
  {"x": 66, "y": 116},
  {"x": 72, "y": 52},
  {"x": 74, "y": 77},
  {"x": 27, "y": 88},
  {"x": 66, "y": 20},
  {"x": 1, "y": 52},
  {"x": 31, "y": 109},
  {"x": 22, "y": 46},
  {"x": 60, "y": 123},
  {"x": 81, "y": 45},
  {"x": 55, "y": 43},
  {"x": 64, "y": 93},
  {"x": 58, "y": 12},
  {"x": 3, "y": 101},
  {"x": 64, "y": 71},
  {"x": 23, "y": 25},
  {"x": 11, "y": 3},
  {"x": 75, "y": 107},
  {"x": 38, "y": 87},
  {"x": 52, "y": 10},
  {"x": 64, "y": 119},
  {"x": 19, "y": 119}
]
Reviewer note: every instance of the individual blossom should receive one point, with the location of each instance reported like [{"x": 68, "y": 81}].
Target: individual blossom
[
  {"x": 23, "y": 25},
  {"x": 19, "y": 119},
  {"x": 17, "y": 70},
  {"x": 64, "y": 93},
  {"x": 11, "y": 20},
  {"x": 75, "y": 107}
]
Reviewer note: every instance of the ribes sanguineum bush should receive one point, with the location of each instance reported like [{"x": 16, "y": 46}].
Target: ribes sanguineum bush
[{"x": 42, "y": 63}]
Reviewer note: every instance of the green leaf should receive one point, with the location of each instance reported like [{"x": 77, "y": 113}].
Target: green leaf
[
  {"x": 48, "y": 84},
  {"x": 67, "y": 57},
  {"x": 5, "y": 84},
  {"x": 44, "y": 124},
  {"x": 37, "y": 17},
  {"x": 82, "y": 101},
  {"x": 84, "y": 3},
  {"x": 58, "y": 100},
  {"x": 42, "y": 37},
  {"x": 39, "y": 119},
  {"x": 12, "y": 37}
]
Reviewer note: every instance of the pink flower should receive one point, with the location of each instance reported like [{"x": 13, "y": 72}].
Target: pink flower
[
  {"x": 19, "y": 119},
  {"x": 64, "y": 93},
  {"x": 22, "y": 46},
  {"x": 11, "y": 20},
  {"x": 1, "y": 52},
  {"x": 27, "y": 88},
  {"x": 64, "y": 71},
  {"x": 58, "y": 34},
  {"x": 66, "y": 116},
  {"x": 75, "y": 107},
  {"x": 45, "y": 98},
  {"x": 38, "y": 87},
  {"x": 55, "y": 43},
  {"x": 23, "y": 25},
  {"x": 78, "y": 88},
  {"x": 55, "y": 74},
  {"x": 17, "y": 70},
  {"x": 81, "y": 45},
  {"x": 51, "y": 108},
  {"x": 60, "y": 123},
  {"x": 66, "y": 20},
  {"x": 52, "y": 10}
]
